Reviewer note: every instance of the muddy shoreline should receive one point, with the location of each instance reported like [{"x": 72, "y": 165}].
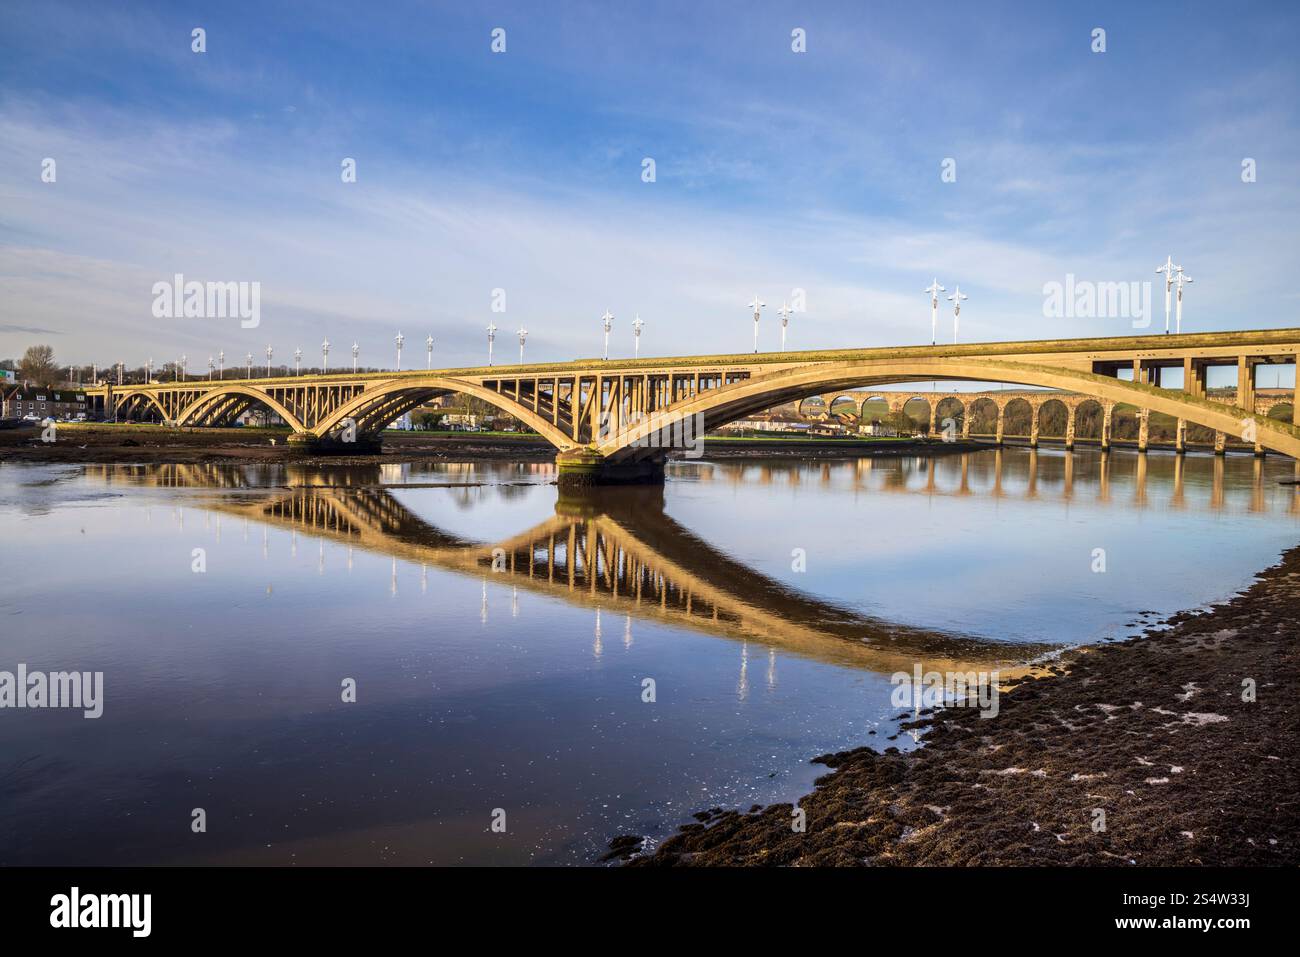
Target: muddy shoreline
[
  {"x": 154, "y": 445},
  {"x": 1152, "y": 731}
]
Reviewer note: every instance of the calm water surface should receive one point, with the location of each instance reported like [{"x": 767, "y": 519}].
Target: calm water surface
[{"x": 500, "y": 638}]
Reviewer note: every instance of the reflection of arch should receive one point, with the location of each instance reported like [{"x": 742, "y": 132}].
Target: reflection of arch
[
  {"x": 214, "y": 402},
  {"x": 622, "y": 552}
]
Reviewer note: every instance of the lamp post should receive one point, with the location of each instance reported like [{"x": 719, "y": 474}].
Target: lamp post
[
  {"x": 757, "y": 305},
  {"x": 1178, "y": 315},
  {"x": 212, "y": 365},
  {"x": 221, "y": 364},
  {"x": 325, "y": 355},
  {"x": 399, "y": 339},
  {"x": 1168, "y": 269},
  {"x": 268, "y": 361},
  {"x": 934, "y": 289},
  {"x": 428, "y": 352},
  {"x": 148, "y": 370},
  {"x": 356, "y": 349},
  {"x": 297, "y": 361},
  {"x": 522, "y": 334},
  {"x": 184, "y": 360},
  {"x": 784, "y": 312},
  {"x": 637, "y": 323},
  {"x": 492, "y": 335},
  {"x": 249, "y": 359},
  {"x": 956, "y": 299},
  {"x": 608, "y": 321}
]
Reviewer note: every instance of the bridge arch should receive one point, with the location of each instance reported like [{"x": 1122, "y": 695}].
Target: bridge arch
[
  {"x": 386, "y": 401},
  {"x": 142, "y": 396},
  {"x": 207, "y": 401},
  {"x": 736, "y": 400}
]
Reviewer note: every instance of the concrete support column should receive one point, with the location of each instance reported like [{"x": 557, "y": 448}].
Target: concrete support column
[
  {"x": 1220, "y": 443},
  {"x": 965, "y": 420},
  {"x": 1246, "y": 384},
  {"x": 1069, "y": 427},
  {"x": 1138, "y": 372},
  {"x": 1033, "y": 426},
  {"x": 934, "y": 418},
  {"x": 1194, "y": 378},
  {"x": 1144, "y": 423},
  {"x": 1002, "y": 418},
  {"x": 1106, "y": 409},
  {"x": 1180, "y": 437}
]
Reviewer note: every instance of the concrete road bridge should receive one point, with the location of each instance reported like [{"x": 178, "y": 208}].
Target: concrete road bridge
[{"x": 616, "y": 420}]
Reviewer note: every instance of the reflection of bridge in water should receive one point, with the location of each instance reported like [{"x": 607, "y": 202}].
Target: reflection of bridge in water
[
  {"x": 614, "y": 550},
  {"x": 1030, "y": 475}
]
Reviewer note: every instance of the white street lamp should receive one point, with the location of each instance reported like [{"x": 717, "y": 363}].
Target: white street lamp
[
  {"x": 492, "y": 336},
  {"x": 325, "y": 355},
  {"x": 184, "y": 359},
  {"x": 934, "y": 289},
  {"x": 249, "y": 359},
  {"x": 148, "y": 370},
  {"x": 356, "y": 349},
  {"x": 607, "y": 320},
  {"x": 1168, "y": 269},
  {"x": 297, "y": 361},
  {"x": 523, "y": 334},
  {"x": 268, "y": 361},
  {"x": 1182, "y": 279},
  {"x": 956, "y": 300},
  {"x": 221, "y": 364},
  {"x": 428, "y": 350},
  {"x": 757, "y": 305},
  {"x": 211, "y": 367},
  {"x": 784, "y": 312},
  {"x": 637, "y": 323},
  {"x": 399, "y": 339}
]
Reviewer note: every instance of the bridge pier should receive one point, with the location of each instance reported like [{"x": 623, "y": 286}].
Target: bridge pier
[
  {"x": 583, "y": 468},
  {"x": 362, "y": 444}
]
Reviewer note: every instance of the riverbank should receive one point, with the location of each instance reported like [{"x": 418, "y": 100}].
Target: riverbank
[
  {"x": 1152, "y": 731},
  {"x": 153, "y": 444}
]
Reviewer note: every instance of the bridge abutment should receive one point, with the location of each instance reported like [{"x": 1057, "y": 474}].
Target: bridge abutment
[
  {"x": 584, "y": 468},
  {"x": 361, "y": 444}
]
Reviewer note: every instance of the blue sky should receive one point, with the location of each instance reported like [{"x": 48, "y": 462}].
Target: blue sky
[{"x": 522, "y": 171}]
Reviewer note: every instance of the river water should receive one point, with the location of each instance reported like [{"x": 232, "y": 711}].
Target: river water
[{"x": 566, "y": 669}]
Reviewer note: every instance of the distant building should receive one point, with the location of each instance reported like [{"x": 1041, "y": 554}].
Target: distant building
[
  {"x": 767, "y": 422},
  {"x": 20, "y": 402}
]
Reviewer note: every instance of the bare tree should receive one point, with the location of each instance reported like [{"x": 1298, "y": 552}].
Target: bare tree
[{"x": 37, "y": 366}]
